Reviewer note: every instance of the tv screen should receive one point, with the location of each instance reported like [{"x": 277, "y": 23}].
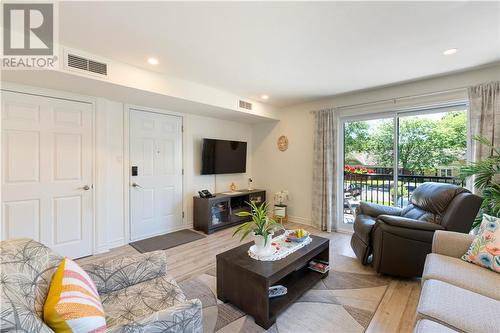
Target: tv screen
[{"x": 222, "y": 156}]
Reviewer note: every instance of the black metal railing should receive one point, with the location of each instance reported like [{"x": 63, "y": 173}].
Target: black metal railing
[{"x": 379, "y": 188}]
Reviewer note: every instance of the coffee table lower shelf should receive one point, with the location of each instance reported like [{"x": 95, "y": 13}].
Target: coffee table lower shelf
[{"x": 297, "y": 283}]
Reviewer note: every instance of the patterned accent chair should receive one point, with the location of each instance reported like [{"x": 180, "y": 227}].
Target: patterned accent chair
[{"x": 136, "y": 292}]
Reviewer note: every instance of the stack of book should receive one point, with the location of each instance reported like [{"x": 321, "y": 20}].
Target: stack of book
[{"x": 319, "y": 266}]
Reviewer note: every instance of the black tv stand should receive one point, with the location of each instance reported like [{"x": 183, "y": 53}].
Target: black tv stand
[{"x": 219, "y": 212}]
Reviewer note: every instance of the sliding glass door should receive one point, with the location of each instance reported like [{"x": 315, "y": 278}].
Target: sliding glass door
[
  {"x": 368, "y": 176},
  {"x": 431, "y": 148},
  {"x": 385, "y": 157}
]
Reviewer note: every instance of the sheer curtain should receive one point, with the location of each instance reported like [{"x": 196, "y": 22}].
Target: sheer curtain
[
  {"x": 323, "y": 199},
  {"x": 484, "y": 102}
]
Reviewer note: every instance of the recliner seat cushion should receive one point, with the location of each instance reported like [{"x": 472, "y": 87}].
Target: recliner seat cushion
[
  {"x": 462, "y": 274},
  {"x": 460, "y": 309},
  {"x": 413, "y": 212}
]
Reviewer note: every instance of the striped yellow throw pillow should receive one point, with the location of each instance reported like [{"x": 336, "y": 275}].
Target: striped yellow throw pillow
[{"x": 73, "y": 304}]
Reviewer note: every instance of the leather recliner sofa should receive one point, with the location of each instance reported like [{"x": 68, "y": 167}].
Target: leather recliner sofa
[{"x": 398, "y": 239}]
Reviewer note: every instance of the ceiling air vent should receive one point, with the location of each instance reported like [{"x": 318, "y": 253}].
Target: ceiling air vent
[
  {"x": 87, "y": 65},
  {"x": 78, "y": 62},
  {"x": 245, "y": 105},
  {"x": 98, "y": 67}
]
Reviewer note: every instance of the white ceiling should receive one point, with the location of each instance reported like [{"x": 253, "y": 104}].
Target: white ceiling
[{"x": 292, "y": 51}]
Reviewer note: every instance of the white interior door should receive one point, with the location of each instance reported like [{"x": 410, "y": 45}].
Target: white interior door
[
  {"x": 156, "y": 190},
  {"x": 47, "y": 172}
]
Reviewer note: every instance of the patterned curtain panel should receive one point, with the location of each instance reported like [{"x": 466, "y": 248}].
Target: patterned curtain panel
[
  {"x": 323, "y": 207},
  {"x": 484, "y": 102}
]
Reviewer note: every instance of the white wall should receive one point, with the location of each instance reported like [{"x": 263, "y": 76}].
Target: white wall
[
  {"x": 292, "y": 170},
  {"x": 195, "y": 129},
  {"x": 109, "y": 187},
  {"x": 112, "y": 182}
]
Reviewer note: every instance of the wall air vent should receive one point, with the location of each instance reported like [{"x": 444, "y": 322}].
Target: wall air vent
[
  {"x": 245, "y": 105},
  {"x": 83, "y": 64}
]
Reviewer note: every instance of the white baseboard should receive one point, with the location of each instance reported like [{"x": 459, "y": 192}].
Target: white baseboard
[
  {"x": 101, "y": 249},
  {"x": 307, "y": 221},
  {"x": 116, "y": 243},
  {"x": 344, "y": 231},
  {"x": 110, "y": 245},
  {"x": 301, "y": 220}
]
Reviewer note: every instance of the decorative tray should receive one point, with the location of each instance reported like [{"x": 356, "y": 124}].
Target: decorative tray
[{"x": 280, "y": 248}]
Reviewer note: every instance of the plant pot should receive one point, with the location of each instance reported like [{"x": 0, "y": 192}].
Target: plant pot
[
  {"x": 280, "y": 211},
  {"x": 261, "y": 246}
]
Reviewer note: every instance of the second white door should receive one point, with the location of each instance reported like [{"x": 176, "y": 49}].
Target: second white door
[
  {"x": 155, "y": 174},
  {"x": 47, "y": 172}
]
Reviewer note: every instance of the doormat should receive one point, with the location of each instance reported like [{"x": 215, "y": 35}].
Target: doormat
[{"x": 166, "y": 241}]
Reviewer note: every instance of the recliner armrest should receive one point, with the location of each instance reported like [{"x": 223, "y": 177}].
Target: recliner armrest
[
  {"x": 404, "y": 222},
  {"x": 374, "y": 210},
  {"x": 406, "y": 228}
]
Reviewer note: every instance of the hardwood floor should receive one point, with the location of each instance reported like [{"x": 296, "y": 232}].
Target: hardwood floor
[{"x": 395, "y": 313}]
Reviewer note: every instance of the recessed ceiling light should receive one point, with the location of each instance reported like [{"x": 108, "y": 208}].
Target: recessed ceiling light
[
  {"x": 153, "y": 61},
  {"x": 264, "y": 97},
  {"x": 450, "y": 51}
]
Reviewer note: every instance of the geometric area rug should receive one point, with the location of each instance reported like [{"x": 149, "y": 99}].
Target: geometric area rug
[{"x": 342, "y": 302}]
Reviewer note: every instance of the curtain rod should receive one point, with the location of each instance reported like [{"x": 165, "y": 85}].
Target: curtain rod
[{"x": 396, "y": 99}]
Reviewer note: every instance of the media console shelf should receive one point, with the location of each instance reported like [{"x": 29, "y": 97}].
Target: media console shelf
[{"x": 219, "y": 212}]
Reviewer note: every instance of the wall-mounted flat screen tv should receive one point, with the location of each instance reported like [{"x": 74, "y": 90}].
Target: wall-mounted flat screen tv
[{"x": 222, "y": 156}]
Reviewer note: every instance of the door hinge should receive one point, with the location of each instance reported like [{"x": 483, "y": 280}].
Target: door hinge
[
  {"x": 183, "y": 171},
  {"x": 182, "y": 214},
  {"x": 182, "y": 128}
]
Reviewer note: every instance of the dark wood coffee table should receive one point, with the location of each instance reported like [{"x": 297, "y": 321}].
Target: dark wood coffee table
[{"x": 244, "y": 282}]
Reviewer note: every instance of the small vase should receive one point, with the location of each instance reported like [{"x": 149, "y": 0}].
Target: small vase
[{"x": 262, "y": 246}]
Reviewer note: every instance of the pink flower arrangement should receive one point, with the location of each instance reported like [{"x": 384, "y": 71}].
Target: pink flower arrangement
[{"x": 358, "y": 170}]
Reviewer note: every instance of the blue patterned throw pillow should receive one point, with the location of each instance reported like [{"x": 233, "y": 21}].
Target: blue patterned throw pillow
[{"x": 485, "y": 249}]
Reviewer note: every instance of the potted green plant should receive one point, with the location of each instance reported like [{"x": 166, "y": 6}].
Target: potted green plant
[
  {"x": 261, "y": 226},
  {"x": 486, "y": 175}
]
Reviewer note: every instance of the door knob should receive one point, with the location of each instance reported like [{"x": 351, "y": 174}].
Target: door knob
[
  {"x": 85, "y": 188},
  {"x": 136, "y": 185}
]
